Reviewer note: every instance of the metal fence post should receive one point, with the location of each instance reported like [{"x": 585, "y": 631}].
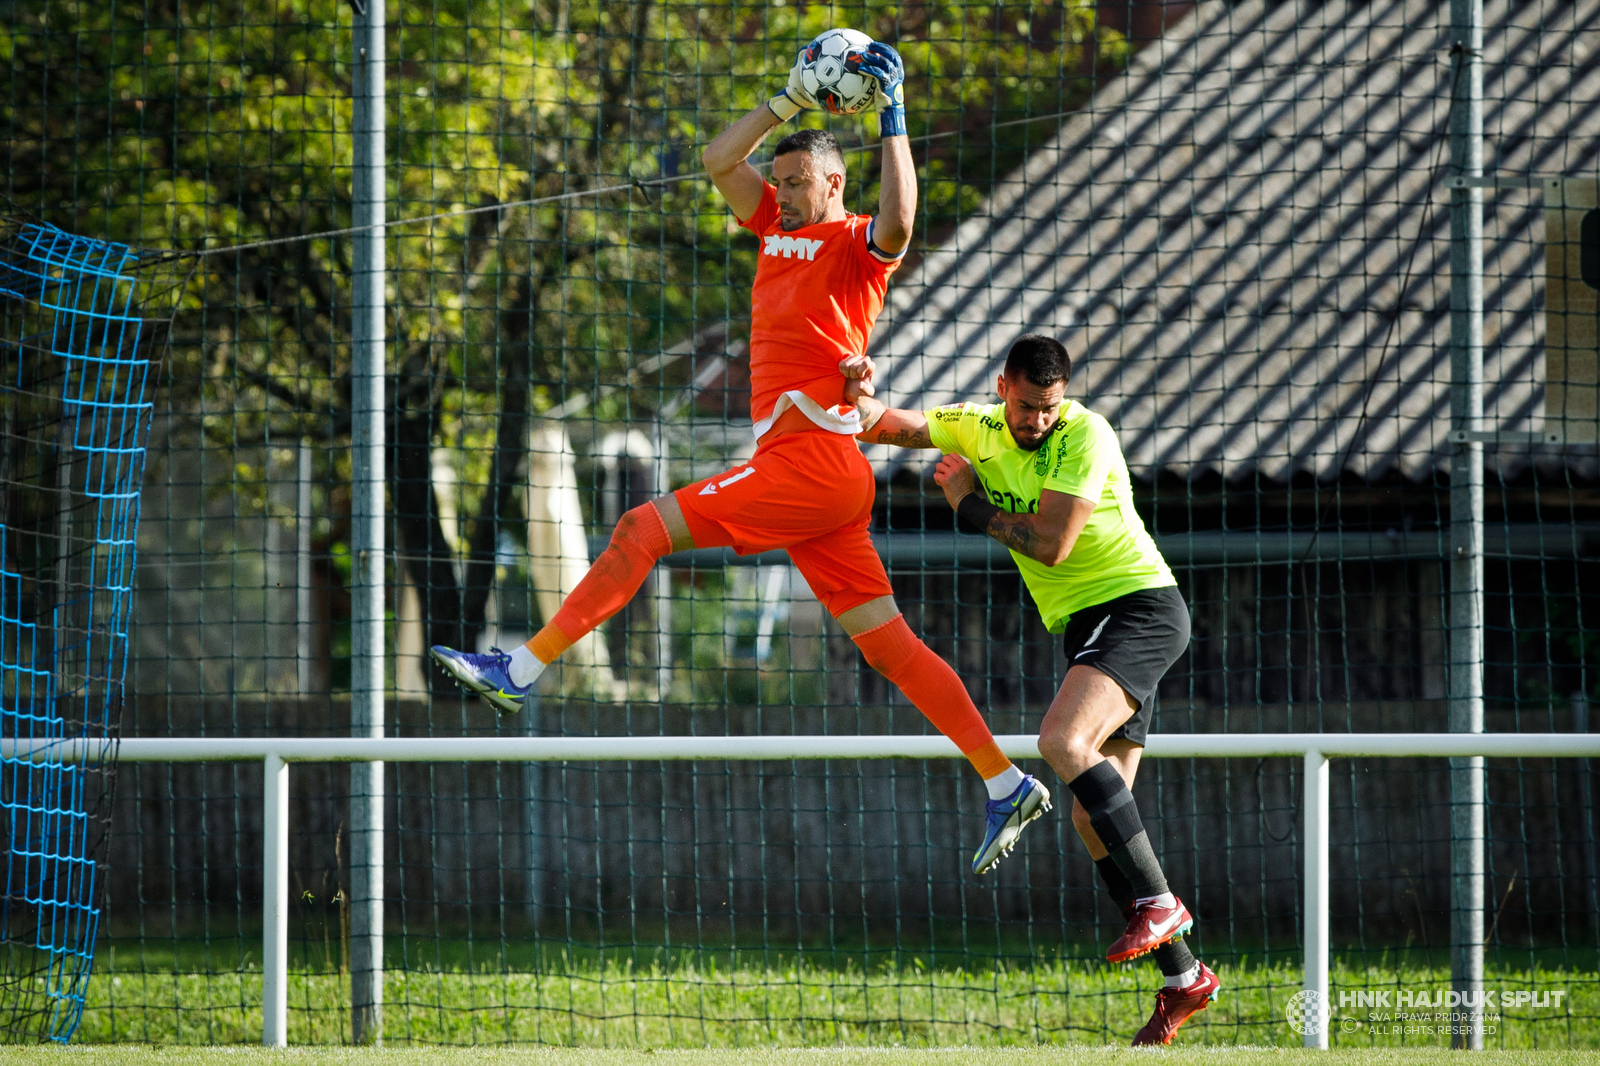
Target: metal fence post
[
  {"x": 662, "y": 486},
  {"x": 275, "y": 902},
  {"x": 1467, "y": 784},
  {"x": 1317, "y": 1008},
  {"x": 367, "y": 366},
  {"x": 1580, "y": 724},
  {"x": 533, "y": 779},
  {"x": 302, "y": 570}
]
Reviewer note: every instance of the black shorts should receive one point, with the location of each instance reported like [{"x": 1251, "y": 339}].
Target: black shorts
[{"x": 1134, "y": 640}]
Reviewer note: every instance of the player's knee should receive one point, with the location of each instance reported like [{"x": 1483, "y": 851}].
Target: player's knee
[
  {"x": 634, "y": 521},
  {"x": 1054, "y": 746},
  {"x": 887, "y": 663},
  {"x": 640, "y": 531},
  {"x": 896, "y": 664},
  {"x": 891, "y": 649},
  {"x": 1068, "y": 752}
]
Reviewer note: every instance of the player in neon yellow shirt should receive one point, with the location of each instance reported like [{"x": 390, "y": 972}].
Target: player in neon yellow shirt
[{"x": 1045, "y": 476}]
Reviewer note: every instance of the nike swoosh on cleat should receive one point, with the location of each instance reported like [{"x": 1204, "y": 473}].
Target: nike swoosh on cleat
[{"x": 1166, "y": 927}]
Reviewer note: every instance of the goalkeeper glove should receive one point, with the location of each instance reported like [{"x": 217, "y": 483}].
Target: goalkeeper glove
[
  {"x": 792, "y": 98},
  {"x": 884, "y": 64}
]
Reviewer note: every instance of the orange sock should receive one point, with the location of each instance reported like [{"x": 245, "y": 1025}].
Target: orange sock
[
  {"x": 548, "y": 643},
  {"x": 929, "y": 682},
  {"x": 988, "y": 759},
  {"x": 638, "y": 541}
]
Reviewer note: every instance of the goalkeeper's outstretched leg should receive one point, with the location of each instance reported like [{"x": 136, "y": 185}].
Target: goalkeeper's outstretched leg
[
  {"x": 773, "y": 501},
  {"x": 642, "y": 536}
]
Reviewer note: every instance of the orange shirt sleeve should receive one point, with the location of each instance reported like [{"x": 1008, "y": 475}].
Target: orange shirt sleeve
[{"x": 766, "y": 214}]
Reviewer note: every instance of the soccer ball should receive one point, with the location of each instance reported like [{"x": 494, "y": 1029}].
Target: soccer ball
[{"x": 828, "y": 71}]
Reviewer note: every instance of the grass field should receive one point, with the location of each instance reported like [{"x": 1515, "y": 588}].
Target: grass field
[
  {"x": 953, "y": 1056},
  {"x": 740, "y": 1003}
]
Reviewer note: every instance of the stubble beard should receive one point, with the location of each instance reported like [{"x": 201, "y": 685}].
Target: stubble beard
[
  {"x": 801, "y": 223},
  {"x": 1037, "y": 442}
]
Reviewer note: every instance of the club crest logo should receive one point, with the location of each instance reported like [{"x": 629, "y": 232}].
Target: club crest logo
[{"x": 1306, "y": 1013}]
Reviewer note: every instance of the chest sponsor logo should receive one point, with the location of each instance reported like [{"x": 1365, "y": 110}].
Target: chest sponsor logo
[
  {"x": 792, "y": 247},
  {"x": 1008, "y": 501}
]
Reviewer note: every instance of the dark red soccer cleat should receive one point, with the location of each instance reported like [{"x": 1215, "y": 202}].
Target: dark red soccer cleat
[
  {"x": 1174, "y": 1006},
  {"x": 1150, "y": 927}
]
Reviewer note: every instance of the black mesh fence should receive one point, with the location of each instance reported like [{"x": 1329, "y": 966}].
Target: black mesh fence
[{"x": 1239, "y": 215}]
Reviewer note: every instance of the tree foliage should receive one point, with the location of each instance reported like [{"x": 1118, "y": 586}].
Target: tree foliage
[{"x": 210, "y": 123}]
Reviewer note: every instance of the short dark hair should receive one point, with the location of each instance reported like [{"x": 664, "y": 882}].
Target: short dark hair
[
  {"x": 1042, "y": 360},
  {"x": 820, "y": 143}
]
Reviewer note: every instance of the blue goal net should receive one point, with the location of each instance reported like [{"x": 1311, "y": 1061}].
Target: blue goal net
[{"x": 76, "y": 363}]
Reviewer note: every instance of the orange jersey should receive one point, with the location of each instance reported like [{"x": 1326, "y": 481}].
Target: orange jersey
[{"x": 817, "y": 292}]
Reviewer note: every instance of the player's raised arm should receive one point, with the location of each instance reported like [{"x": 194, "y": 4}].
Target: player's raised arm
[
  {"x": 727, "y": 158},
  {"x": 727, "y": 161},
  {"x": 897, "y": 199}
]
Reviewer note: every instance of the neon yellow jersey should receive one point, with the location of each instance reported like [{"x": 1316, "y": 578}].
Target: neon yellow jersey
[{"x": 1114, "y": 555}]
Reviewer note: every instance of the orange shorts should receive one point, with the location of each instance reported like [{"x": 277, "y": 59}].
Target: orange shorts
[{"x": 809, "y": 493}]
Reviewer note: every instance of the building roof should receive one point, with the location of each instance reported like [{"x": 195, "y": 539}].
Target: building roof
[{"x": 1244, "y": 241}]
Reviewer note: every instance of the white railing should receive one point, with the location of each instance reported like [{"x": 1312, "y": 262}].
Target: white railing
[{"x": 276, "y": 753}]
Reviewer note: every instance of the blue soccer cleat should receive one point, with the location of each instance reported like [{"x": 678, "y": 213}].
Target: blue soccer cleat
[
  {"x": 1007, "y": 817},
  {"x": 487, "y": 675}
]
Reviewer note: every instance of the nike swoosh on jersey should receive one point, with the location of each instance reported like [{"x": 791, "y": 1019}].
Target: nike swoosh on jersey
[{"x": 1163, "y": 928}]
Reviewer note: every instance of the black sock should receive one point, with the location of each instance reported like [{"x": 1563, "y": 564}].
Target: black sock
[
  {"x": 1139, "y": 863},
  {"x": 1174, "y": 958},
  {"x": 1116, "y": 884},
  {"x": 1114, "y": 817}
]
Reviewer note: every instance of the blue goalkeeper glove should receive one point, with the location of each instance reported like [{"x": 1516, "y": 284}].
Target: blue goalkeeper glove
[{"x": 884, "y": 64}]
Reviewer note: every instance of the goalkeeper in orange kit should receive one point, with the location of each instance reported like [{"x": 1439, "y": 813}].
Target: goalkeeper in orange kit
[{"x": 821, "y": 277}]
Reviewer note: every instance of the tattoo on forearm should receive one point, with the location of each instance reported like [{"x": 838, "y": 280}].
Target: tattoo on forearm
[
  {"x": 906, "y": 438},
  {"x": 1016, "y": 532}
]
